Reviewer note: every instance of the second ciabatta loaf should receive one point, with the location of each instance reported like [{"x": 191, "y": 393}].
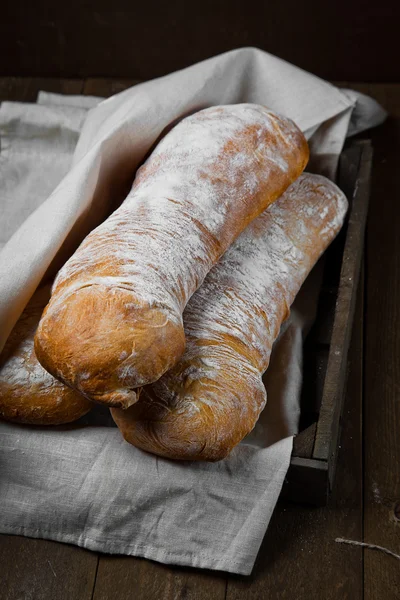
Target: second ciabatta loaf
[
  {"x": 28, "y": 393},
  {"x": 114, "y": 321},
  {"x": 212, "y": 398}
]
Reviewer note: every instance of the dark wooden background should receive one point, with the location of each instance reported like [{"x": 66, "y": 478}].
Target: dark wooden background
[{"x": 353, "y": 40}]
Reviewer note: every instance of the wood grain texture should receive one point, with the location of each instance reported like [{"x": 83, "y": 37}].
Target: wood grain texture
[
  {"x": 299, "y": 558},
  {"x": 132, "y": 578},
  {"x": 328, "y": 428},
  {"x": 33, "y": 569},
  {"x": 303, "y": 443},
  {"x": 325, "y": 362},
  {"x": 335, "y": 40},
  {"x": 382, "y": 367},
  {"x": 322, "y": 332}
]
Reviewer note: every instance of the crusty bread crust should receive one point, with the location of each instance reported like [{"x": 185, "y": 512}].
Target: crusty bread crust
[
  {"x": 28, "y": 393},
  {"x": 213, "y": 397},
  {"x": 114, "y": 321}
]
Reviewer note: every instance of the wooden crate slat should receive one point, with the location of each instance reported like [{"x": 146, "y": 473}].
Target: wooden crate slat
[
  {"x": 333, "y": 335},
  {"x": 328, "y": 428},
  {"x": 303, "y": 443}
]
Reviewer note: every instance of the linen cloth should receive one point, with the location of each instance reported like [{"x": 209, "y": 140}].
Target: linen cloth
[{"x": 65, "y": 163}]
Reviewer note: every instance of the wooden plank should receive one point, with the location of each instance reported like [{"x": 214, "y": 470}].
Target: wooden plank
[
  {"x": 55, "y": 85},
  {"x": 322, "y": 332},
  {"x": 299, "y": 557},
  {"x": 140, "y": 579},
  {"x": 303, "y": 443},
  {"x": 382, "y": 372},
  {"x": 44, "y": 570},
  {"x": 328, "y": 428},
  {"x": 25, "y": 89},
  {"x": 108, "y": 87},
  {"x": 314, "y": 372},
  {"x": 36, "y": 568},
  {"x": 308, "y": 481}
]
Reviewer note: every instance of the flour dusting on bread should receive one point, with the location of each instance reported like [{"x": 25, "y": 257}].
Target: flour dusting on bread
[
  {"x": 125, "y": 288},
  {"x": 213, "y": 397},
  {"x": 28, "y": 393}
]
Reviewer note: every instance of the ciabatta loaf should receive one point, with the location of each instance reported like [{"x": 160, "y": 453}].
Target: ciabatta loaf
[
  {"x": 114, "y": 321},
  {"x": 28, "y": 393},
  {"x": 207, "y": 403}
]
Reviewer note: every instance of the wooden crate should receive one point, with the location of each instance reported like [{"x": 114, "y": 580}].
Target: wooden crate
[{"x": 311, "y": 474}]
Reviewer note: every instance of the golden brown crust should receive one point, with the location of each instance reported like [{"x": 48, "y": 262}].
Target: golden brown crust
[
  {"x": 212, "y": 398},
  {"x": 178, "y": 431},
  {"x": 28, "y": 394},
  {"x": 102, "y": 341},
  {"x": 114, "y": 321}
]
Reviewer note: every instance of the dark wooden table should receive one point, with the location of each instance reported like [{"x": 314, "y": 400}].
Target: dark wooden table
[{"x": 299, "y": 558}]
